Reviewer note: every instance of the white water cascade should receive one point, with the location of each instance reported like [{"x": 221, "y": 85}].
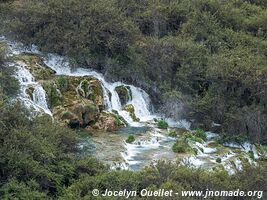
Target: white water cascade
[
  {"x": 39, "y": 97},
  {"x": 38, "y": 101},
  {"x": 27, "y": 82},
  {"x": 140, "y": 99}
]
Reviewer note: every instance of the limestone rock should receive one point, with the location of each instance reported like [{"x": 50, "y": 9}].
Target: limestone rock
[
  {"x": 36, "y": 66},
  {"x": 108, "y": 122},
  {"x": 78, "y": 115},
  {"x": 130, "y": 108},
  {"x": 124, "y": 93}
]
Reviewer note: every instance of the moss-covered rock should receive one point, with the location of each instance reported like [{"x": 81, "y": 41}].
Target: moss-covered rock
[
  {"x": 29, "y": 92},
  {"x": 181, "y": 146},
  {"x": 108, "y": 122},
  {"x": 182, "y": 131},
  {"x": 80, "y": 114},
  {"x": 64, "y": 90},
  {"x": 172, "y": 133},
  {"x": 91, "y": 88},
  {"x": 130, "y": 108},
  {"x": 36, "y": 66},
  {"x": 54, "y": 95},
  {"x": 78, "y": 102},
  {"x": 124, "y": 93}
]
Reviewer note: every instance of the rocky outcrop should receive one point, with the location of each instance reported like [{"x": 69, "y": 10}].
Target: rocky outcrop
[
  {"x": 29, "y": 91},
  {"x": 124, "y": 93},
  {"x": 91, "y": 89},
  {"x": 130, "y": 109},
  {"x": 36, "y": 66},
  {"x": 108, "y": 122},
  {"x": 79, "y": 115}
]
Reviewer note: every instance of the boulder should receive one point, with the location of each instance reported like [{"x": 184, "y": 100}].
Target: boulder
[
  {"x": 91, "y": 89},
  {"x": 130, "y": 109},
  {"x": 80, "y": 114},
  {"x": 36, "y": 66},
  {"x": 108, "y": 122},
  {"x": 64, "y": 90},
  {"x": 29, "y": 92},
  {"x": 124, "y": 94},
  {"x": 54, "y": 96}
]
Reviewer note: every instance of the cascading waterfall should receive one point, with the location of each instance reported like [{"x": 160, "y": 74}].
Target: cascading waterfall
[
  {"x": 26, "y": 79},
  {"x": 140, "y": 99},
  {"x": 39, "y": 97},
  {"x": 38, "y": 101}
]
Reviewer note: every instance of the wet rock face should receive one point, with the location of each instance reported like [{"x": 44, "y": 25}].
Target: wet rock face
[
  {"x": 81, "y": 103},
  {"x": 108, "y": 122},
  {"x": 80, "y": 115},
  {"x": 36, "y": 66},
  {"x": 92, "y": 90},
  {"x": 76, "y": 101},
  {"x": 130, "y": 109},
  {"x": 124, "y": 93},
  {"x": 29, "y": 91}
]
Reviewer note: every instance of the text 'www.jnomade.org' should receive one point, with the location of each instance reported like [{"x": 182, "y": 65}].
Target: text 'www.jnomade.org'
[{"x": 170, "y": 193}]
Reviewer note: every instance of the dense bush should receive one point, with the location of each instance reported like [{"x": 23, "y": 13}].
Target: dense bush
[
  {"x": 130, "y": 139},
  {"x": 162, "y": 124},
  {"x": 193, "y": 137},
  {"x": 201, "y": 134},
  {"x": 173, "y": 134},
  {"x": 181, "y": 146},
  {"x": 8, "y": 84},
  {"x": 218, "y": 160}
]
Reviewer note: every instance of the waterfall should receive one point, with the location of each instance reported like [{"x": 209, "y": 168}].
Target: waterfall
[
  {"x": 140, "y": 99},
  {"x": 27, "y": 81},
  {"x": 39, "y": 97},
  {"x": 23, "y": 75},
  {"x": 141, "y": 102}
]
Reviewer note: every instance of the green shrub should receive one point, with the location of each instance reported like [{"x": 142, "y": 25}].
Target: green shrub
[
  {"x": 194, "y": 138},
  {"x": 162, "y": 124},
  {"x": 251, "y": 155},
  {"x": 240, "y": 138},
  {"x": 62, "y": 82},
  {"x": 218, "y": 160},
  {"x": 173, "y": 134},
  {"x": 201, "y": 134},
  {"x": 130, "y": 139},
  {"x": 180, "y": 146}
]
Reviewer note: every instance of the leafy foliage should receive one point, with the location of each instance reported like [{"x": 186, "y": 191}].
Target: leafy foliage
[
  {"x": 130, "y": 139},
  {"x": 181, "y": 146},
  {"x": 8, "y": 84},
  {"x": 201, "y": 134},
  {"x": 162, "y": 124}
]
